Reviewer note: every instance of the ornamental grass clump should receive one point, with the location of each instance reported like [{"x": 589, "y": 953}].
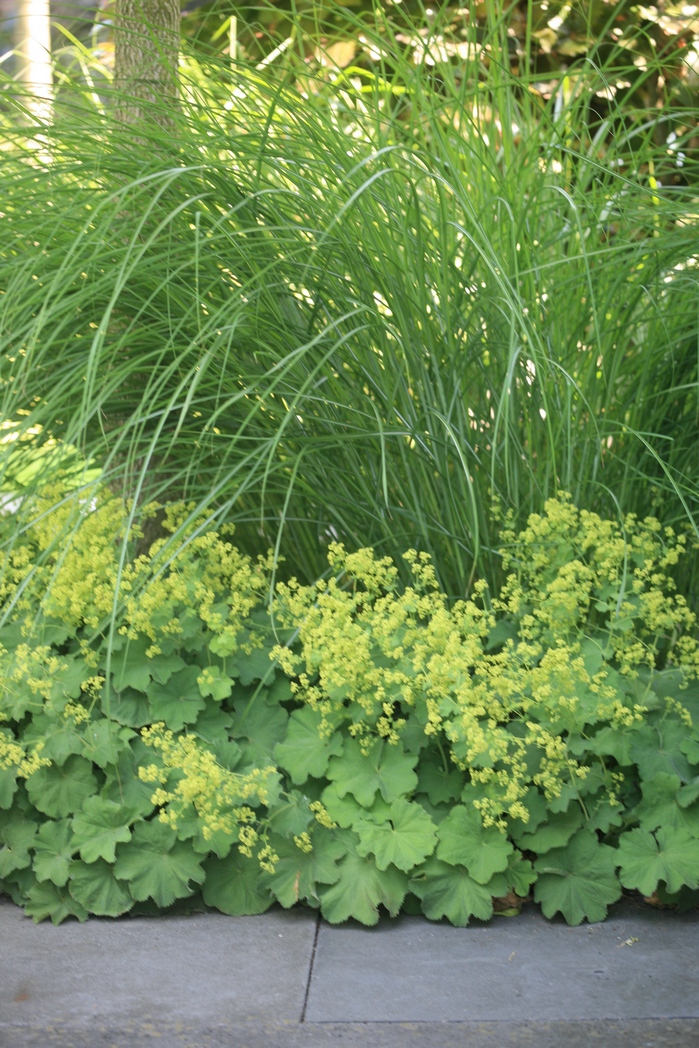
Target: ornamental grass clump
[
  {"x": 351, "y": 745},
  {"x": 365, "y": 303}
]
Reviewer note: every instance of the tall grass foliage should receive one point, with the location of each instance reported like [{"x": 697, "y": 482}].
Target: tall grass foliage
[{"x": 382, "y": 304}]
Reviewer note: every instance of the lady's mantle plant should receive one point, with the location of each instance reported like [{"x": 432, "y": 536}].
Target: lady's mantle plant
[{"x": 170, "y": 740}]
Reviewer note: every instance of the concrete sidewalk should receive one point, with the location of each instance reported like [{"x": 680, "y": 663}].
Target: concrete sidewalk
[{"x": 287, "y": 980}]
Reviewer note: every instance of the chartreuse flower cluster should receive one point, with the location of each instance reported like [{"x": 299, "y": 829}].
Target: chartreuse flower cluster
[{"x": 168, "y": 740}]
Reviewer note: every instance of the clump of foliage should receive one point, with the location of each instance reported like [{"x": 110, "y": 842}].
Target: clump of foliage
[
  {"x": 172, "y": 738},
  {"x": 433, "y": 270}
]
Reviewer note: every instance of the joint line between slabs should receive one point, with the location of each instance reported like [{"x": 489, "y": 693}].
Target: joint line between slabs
[{"x": 310, "y": 970}]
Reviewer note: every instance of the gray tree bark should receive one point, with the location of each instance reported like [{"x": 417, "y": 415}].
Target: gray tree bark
[{"x": 146, "y": 46}]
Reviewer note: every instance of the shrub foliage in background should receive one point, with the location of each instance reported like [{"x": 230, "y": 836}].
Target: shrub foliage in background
[{"x": 171, "y": 738}]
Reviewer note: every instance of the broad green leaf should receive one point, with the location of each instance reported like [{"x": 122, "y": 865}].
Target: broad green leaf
[
  {"x": 304, "y": 751},
  {"x": 16, "y": 840},
  {"x": 385, "y": 768},
  {"x": 18, "y": 883},
  {"x": 99, "y": 827},
  {"x": 672, "y": 855},
  {"x": 124, "y": 787},
  {"x": 105, "y": 741},
  {"x": 404, "y": 839},
  {"x": 298, "y": 873},
  {"x": 233, "y": 885},
  {"x": 578, "y": 881},
  {"x": 213, "y": 723},
  {"x": 464, "y": 841},
  {"x": 689, "y": 793},
  {"x": 60, "y": 791},
  {"x": 690, "y": 748},
  {"x": 53, "y": 852},
  {"x": 345, "y": 811},
  {"x": 361, "y": 888},
  {"x": 96, "y": 888},
  {"x": 214, "y": 682},
  {"x": 519, "y": 874},
  {"x": 163, "y": 666},
  {"x": 660, "y": 806},
  {"x": 157, "y": 865},
  {"x": 537, "y": 810},
  {"x": 131, "y": 667},
  {"x": 191, "y": 828},
  {"x": 256, "y": 665},
  {"x": 68, "y": 684},
  {"x": 554, "y": 833},
  {"x": 449, "y": 891},
  {"x": 8, "y": 787},
  {"x": 129, "y": 707},
  {"x": 613, "y": 742},
  {"x": 177, "y": 701},
  {"x": 259, "y": 725},
  {"x": 52, "y": 901},
  {"x": 60, "y": 739},
  {"x": 440, "y": 786},
  {"x": 291, "y": 816},
  {"x": 656, "y": 749}
]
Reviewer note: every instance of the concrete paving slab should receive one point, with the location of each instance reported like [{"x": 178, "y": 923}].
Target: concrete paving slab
[
  {"x": 650, "y": 1033},
  {"x": 639, "y": 964},
  {"x": 206, "y": 967}
]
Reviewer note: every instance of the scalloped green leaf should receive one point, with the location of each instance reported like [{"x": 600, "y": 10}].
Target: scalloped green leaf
[
  {"x": 8, "y": 787},
  {"x": 671, "y": 855},
  {"x": 178, "y": 701},
  {"x": 99, "y": 827},
  {"x": 385, "y": 768},
  {"x": 297, "y": 873},
  {"x": 53, "y": 852},
  {"x": 440, "y": 786},
  {"x": 292, "y": 815},
  {"x": 450, "y": 891},
  {"x": 49, "y": 900},
  {"x": 131, "y": 667},
  {"x": 578, "y": 880},
  {"x": 345, "y": 811},
  {"x": 304, "y": 751},
  {"x": 259, "y": 725},
  {"x": 16, "y": 841},
  {"x": 519, "y": 874},
  {"x": 163, "y": 666},
  {"x": 554, "y": 833},
  {"x": 157, "y": 865},
  {"x": 60, "y": 739},
  {"x": 58, "y": 791},
  {"x": 361, "y": 888},
  {"x": 404, "y": 839},
  {"x": 96, "y": 888},
  {"x": 656, "y": 749},
  {"x": 660, "y": 806},
  {"x": 105, "y": 741},
  {"x": 213, "y": 681},
  {"x": 464, "y": 841},
  {"x": 129, "y": 707},
  {"x": 233, "y": 886},
  {"x": 123, "y": 785}
]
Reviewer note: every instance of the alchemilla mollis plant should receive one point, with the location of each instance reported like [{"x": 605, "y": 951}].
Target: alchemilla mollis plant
[{"x": 171, "y": 737}]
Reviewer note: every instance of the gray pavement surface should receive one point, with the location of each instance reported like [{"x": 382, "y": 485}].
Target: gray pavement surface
[{"x": 287, "y": 980}]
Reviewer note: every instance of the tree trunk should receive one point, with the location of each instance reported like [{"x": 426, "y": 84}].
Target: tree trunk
[
  {"x": 146, "y": 46},
  {"x": 33, "y": 47}
]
